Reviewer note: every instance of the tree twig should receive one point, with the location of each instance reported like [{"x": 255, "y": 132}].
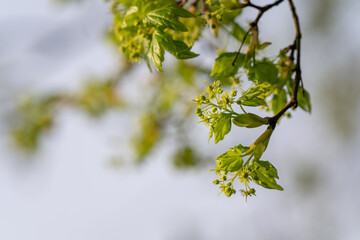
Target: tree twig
[
  {"x": 253, "y": 24},
  {"x": 242, "y": 43},
  {"x": 293, "y": 102}
]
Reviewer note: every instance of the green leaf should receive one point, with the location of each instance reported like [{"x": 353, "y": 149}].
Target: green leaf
[
  {"x": 161, "y": 41},
  {"x": 179, "y": 11},
  {"x": 156, "y": 52},
  {"x": 182, "y": 51},
  {"x": 266, "y": 71},
  {"x": 223, "y": 67},
  {"x": 222, "y": 126},
  {"x": 249, "y": 120},
  {"x": 304, "y": 100},
  {"x": 253, "y": 97},
  {"x": 264, "y": 173},
  {"x": 263, "y": 45},
  {"x": 303, "y": 96},
  {"x": 163, "y": 18},
  {"x": 279, "y": 101},
  {"x": 239, "y": 33},
  {"x": 261, "y": 143},
  {"x": 131, "y": 17},
  {"x": 271, "y": 170},
  {"x": 232, "y": 161}
]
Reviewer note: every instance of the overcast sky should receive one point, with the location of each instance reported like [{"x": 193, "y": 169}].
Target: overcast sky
[{"x": 68, "y": 191}]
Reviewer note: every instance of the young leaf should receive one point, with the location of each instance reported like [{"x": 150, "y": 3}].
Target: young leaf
[
  {"x": 261, "y": 143},
  {"x": 253, "y": 97},
  {"x": 239, "y": 33},
  {"x": 232, "y": 161},
  {"x": 179, "y": 11},
  {"x": 182, "y": 51},
  {"x": 222, "y": 126},
  {"x": 160, "y": 41},
  {"x": 163, "y": 18},
  {"x": 266, "y": 71},
  {"x": 264, "y": 45},
  {"x": 223, "y": 67},
  {"x": 156, "y": 51},
  {"x": 271, "y": 170},
  {"x": 279, "y": 101},
  {"x": 249, "y": 120},
  {"x": 303, "y": 96},
  {"x": 264, "y": 173},
  {"x": 304, "y": 100}
]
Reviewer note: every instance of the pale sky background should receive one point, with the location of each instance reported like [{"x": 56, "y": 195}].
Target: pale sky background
[{"x": 68, "y": 191}]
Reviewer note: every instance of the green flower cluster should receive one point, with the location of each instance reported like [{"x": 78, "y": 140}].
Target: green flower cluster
[
  {"x": 214, "y": 107},
  {"x": 226, "y": 181},
  {"x": 230, "y": 166}
]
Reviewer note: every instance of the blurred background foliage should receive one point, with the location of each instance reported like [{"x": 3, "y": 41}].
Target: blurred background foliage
[{"x": 161, "y": 101}]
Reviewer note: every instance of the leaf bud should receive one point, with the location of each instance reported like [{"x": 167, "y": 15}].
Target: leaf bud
[
  {"x": 223, "y": 178},
  {"x": 216, "y": 182},
  {"x": 245, "y": 175},
  {"x": 227, "y": 100},
  {"x": 233, "y": 93}
]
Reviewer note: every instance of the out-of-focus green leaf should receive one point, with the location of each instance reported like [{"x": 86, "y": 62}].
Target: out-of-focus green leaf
[
  {"x": 303, "y": 98},
  {"x": 183, "y": 51},
  {"x": 253, "y": 97},
  {"x": 162, "y": 41},
  {"x": 179, "y": 11},
  {"x": 156, "y": 52},
  {"x": 185, "y": 158},
  {"x": 264, "y": 45},
  {"x": 239, "y": 33},
  {"x": 266, "y": 71},
  {"x": 150, "y": 132},
  {"x": 222, "y": 126},
  {"x": 279, "y": 101},
  {"x": 223, "y": 67},
  {"x": 163, "y": 18}
]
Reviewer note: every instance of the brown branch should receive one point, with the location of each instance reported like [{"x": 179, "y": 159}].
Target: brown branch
[
  {"x": 253, "y": 24},
  {"x": 293, "y": 102},
  {"x": 262, "y": 10}
]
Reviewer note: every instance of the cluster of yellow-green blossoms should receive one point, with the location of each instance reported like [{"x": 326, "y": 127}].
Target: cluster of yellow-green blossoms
[
  {"x": 226, "y": 181},
  {"x": 214, "y": 101}
]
